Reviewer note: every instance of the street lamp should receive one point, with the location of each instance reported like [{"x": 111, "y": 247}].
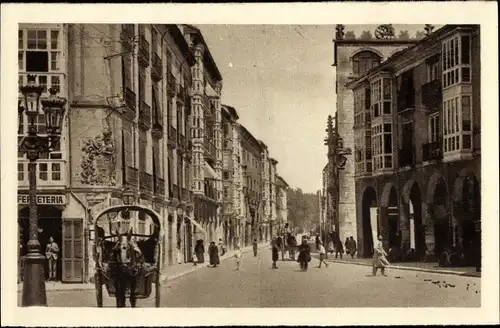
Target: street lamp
[{"x": 33, "y": 145}]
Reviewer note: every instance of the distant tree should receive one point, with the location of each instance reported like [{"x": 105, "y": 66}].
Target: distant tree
[
  {"x": 350, "y": 35},
  {"x": 404, "y": 35},
  {"x": 419, "y": 35},
  {"x": 366, "y": 35}
]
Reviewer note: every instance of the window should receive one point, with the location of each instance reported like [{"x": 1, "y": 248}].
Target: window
[
  {"x": 381, "y": 97},
  {"x": 226, "y": 192},
  {"x": 434, "y": 128},
  {"x": 382, "y": 146},
  {"x": 41, "y": 130},
  {"x": 456, "y": 60},
  {"x": 143, "y": 144},
  {"x": 127, "y": 71},
  {"x": 432, "y": 71},
  {"x": 364, "y": 61},
  {"x": 154, "y": 39},
  {"x": 157, "y": 112},
  {"x": 226, "y": 175},
  {"x": 128, "y": 144},
  {"x": 157, "y": 171},
  {"x": 142, "y": 84},
  {"x": 39, "y": 50}
]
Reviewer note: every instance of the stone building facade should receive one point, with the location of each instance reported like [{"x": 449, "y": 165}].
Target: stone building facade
[
  {"x": 353, "y": 56},
  {"x": 418, "y": 166}
]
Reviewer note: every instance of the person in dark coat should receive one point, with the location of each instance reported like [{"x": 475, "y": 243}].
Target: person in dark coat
[
  {"x": 199, "y": 250},
  {"x": 339, "y": 248},
  {"x": 275, "y": 252},
  {"x": 353, "y": 248},
  {"x": 304, "y": 255},
  {"x": 213, "y": 254}
]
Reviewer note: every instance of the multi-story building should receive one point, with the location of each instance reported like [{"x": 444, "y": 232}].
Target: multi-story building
[
  {"x": 251, "y": 149},
  {"x": 206, "y": 135},
  {"x": 417, "y": 126},
  {"x": 353, "y": 56},
  {"x": 231, "y": 176},
  {"x": 273, "y": 211},
  {"x": 266, "y": 192},
  {"x": 125, "y": 138},
  {"x": 281, "y": 202}
]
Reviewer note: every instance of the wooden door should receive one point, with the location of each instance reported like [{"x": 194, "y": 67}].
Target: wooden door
[{"x": 72, "y": 250}]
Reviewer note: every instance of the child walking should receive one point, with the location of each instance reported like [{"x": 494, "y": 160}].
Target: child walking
[
  {"x": 322, "y": 254},
  {"x": 237, "y": 255},
  {"x": 254, "y": 245}
]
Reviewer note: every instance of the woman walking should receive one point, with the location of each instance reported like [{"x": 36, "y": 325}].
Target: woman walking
[
  {"x": 213, "y": 253},
  {"x": 379, "y": 258}
]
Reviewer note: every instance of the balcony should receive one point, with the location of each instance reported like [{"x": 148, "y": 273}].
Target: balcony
[
  {"x": 145, "y": 116},
  {"x": 210, "y": 151},
  {"x": 146, "y": 182},
  {"x": 127, "y": 36},
  {"x": 175, "y": 192},
  {"x": 432, "y": 151},
  {"x": 129, "y": 97},
  {"x": 157, "y": 131},
  {"x": 156, "y": 68},
  {"x": 432, "y": 95},
  {"x": 159, "y": 186},
  {"x": 406, "y": 157},
  {"x": 172, "y": 137},
  {"x": 171, "y": 84},
  {"x": 131, "y": 176},
  {"x": 49, "y": 172},
  {"x": 143, "y": 51}
]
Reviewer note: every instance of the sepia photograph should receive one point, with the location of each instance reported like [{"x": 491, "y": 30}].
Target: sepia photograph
[{"x": 232, "y": 166}]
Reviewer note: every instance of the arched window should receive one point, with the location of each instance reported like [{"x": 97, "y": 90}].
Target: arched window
[{"x": 363, "y": 61}]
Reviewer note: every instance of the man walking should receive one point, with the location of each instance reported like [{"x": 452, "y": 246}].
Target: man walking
[{"x": 322, "y": 253}]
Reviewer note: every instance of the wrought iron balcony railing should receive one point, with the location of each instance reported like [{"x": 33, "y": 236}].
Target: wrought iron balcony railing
[
  {"x": 146, "y": 182},
  {"x": 143, "y": 51},
  {"x": 171, "y": 84},
  {"x": 159, "y": 186},
  {"x": 131, "y": 176}
]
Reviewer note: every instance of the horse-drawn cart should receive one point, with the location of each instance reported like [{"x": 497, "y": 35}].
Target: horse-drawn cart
[{"x": 127, "y": 263}]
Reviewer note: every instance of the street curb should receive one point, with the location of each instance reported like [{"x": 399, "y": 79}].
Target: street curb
[
  {"x": 163, "y": 278},
  {"x": 197, "y": 267},
  {"x": 397, "y": 267}
]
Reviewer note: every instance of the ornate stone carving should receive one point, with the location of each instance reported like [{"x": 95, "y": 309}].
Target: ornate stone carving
[
  {"x": 99, "y": 160},
  {"x": 404, "y": 35},
  {"x": 350, "y": 35},
  {"x": 366, "y": 35},
  {"x": 428, "y": 29},
  {"x": 384, "y": 32},
  {"x": 339, "y": 32}
]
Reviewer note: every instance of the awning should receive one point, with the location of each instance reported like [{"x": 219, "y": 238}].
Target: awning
[
  {"x": 210, "y": 172},
  {"x": 198, "y": 227}
]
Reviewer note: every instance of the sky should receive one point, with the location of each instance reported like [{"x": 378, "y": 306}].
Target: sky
[{"x": 281, "y": 81}]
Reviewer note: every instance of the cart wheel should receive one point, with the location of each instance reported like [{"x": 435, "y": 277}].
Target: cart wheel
[{"x": 98, "y": 289}]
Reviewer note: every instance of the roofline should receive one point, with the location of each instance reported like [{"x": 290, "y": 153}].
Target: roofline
[
  {"x": 437, "y": 35},
  {"x": 207, "y": 52},
  {"x": 232, "y": 111},
  {"x": 279, "y": 177},
  {"x": 181, "y": 42},
  {"x": 250, "y": 134}
]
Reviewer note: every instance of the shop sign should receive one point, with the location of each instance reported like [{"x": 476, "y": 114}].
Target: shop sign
[{"x": 42, "y": 199}]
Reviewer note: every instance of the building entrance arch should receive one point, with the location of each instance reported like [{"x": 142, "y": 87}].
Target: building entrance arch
[
  {"x": 438, "y": 211},
  {"x": 369, "y": 221},
  {"x": 412, "y": 227},
  {"x": 389, "y": 217}
]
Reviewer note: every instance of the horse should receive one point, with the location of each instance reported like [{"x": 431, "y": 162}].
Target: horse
[{"x": 127, "y": 259}]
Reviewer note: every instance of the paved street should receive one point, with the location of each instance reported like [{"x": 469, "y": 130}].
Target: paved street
[{"x": 339, "y": 285}]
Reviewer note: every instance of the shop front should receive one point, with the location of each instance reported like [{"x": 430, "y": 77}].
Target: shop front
[{"x": 67, "y": 232}]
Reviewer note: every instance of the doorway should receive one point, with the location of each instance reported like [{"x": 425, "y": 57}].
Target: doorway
[
  {"x": 49, "y": 225},
  {"x": 369, "y": 215}
]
